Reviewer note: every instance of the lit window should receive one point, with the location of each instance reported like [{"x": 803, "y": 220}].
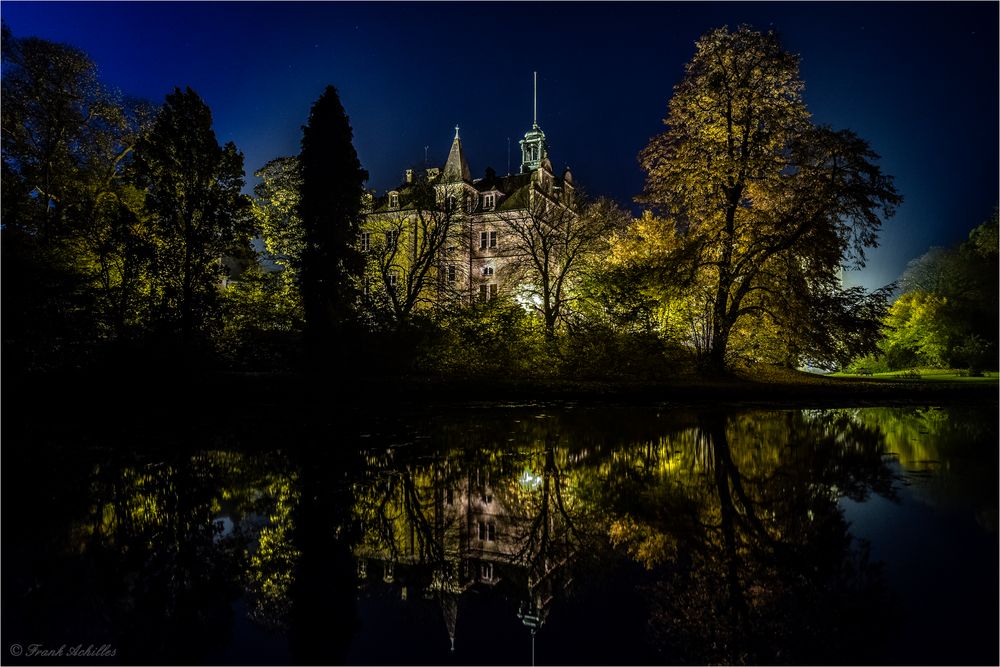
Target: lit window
[
  {"x": 487, "y": 531},
  {"x": 489, "y": 201},
  {"x": 393, "y": 200},
  {"x": 391, "y": 237},
  {"x": 451, "y": 274},
  {"x": 487, "y": 292},
  {"x": 487, "y": 270},
  {"x": 366, "y": 241}
]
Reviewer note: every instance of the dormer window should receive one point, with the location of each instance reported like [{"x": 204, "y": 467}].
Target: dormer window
[
  {"x": 489, "y": 201},
  {"x": 393, "y": 200}
]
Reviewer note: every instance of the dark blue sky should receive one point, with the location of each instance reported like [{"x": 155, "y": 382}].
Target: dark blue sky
[{"x": 920, "y": 81}]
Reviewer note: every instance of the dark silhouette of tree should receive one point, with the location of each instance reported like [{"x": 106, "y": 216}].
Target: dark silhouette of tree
[
  {"x": 767, "y": 206},
  {"x": 74, "y": 232},
  {"x": 198, "y": 213},
  {"x": 330, "y": 208}
]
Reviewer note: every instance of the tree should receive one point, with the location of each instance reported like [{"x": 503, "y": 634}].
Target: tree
[
  {"x": 276, "y": 212},
  {"x": 405, "y": 249},
  {"x": 767, "y": 206},
  {"x": 948, "y": 310},
  {"x": 73, "y": 232},
  {"x": 551, "y": 237},
  {"x": 918, "y": 332},
  {"x": 330, "y": 208},
  {"x": 193, "y": 191}
]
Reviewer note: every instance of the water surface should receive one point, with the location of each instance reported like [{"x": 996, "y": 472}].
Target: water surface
[{"x": 507, "y": 534}]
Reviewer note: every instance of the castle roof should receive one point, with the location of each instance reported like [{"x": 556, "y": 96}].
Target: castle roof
[{"x": 456, "y": 168}]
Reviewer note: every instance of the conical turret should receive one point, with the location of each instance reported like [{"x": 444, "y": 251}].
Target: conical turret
[{"x": 456, "y": 168}]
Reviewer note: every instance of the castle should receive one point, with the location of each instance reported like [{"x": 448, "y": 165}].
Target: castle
[{"x": 444, "y": 234}]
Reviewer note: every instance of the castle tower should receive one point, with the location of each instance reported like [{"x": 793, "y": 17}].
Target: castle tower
[
  {"x": 456, "y": 168},
  {"x": 533, "y": 146}
]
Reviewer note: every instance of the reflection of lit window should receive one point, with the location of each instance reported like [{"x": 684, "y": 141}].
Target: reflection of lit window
[
  {"x": 486, "y": 571},
  {"x": 389, "y": 571},
  {"x": 362, "y": 569}
]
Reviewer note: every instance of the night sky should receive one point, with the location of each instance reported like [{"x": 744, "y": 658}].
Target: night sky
[{"x": 919, "y": 81}]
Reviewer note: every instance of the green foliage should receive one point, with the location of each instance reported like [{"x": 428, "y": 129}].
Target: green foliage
[
  {"x": 947, "y": 314},
  {"x": 276, "y": 212},
  {"x": 262, "y": 321},
  {"x": 495, "y": 338},
  {"x": 73, "y": 226},
  {"x": 198, "y": 214},
  {"x": 595, "y": 350}
]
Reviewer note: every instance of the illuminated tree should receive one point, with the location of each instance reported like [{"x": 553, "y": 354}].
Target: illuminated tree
[
  {"x": 766, "y": 206},
  {"x": 74, "y": 238},
  {"x": 551, "y": 237},
  {"x": 330, "y": 208},
  {"x": 198, "y": 213},
  {"x": 405, "y": 252},
  {"x": 276, "y": 212},
  {"x": 948, "y": 311}
]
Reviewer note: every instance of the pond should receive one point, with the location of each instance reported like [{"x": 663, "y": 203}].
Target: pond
[{"x": 511, "y": 534}]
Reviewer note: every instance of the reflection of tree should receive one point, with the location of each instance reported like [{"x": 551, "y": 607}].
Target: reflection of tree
[
  {"x": 153, "y": 536},
  {"x": 770, "y": 570}
]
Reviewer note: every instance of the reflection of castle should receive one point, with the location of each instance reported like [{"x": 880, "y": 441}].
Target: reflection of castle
[{"x": 443, "y": 536}]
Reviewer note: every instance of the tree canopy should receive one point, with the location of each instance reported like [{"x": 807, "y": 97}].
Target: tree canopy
[{"x": 765, "y": 206}]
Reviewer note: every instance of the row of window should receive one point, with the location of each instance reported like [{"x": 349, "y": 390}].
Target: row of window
[
  {"x": 487, "y": 240},
  {"x": 489, "y": 201}
]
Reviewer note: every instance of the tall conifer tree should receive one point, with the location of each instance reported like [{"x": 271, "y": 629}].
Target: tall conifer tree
[{"x": 330, "y": 208}]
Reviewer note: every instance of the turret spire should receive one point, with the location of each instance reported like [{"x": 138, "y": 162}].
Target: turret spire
[
  {"x": 534, "y": 109},
  {"x": 456, "y": 168},
  {"x": 533, "y": 147}
]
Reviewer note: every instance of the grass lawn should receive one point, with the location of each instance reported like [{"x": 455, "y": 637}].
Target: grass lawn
[{"x": 926, "y": 375}]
